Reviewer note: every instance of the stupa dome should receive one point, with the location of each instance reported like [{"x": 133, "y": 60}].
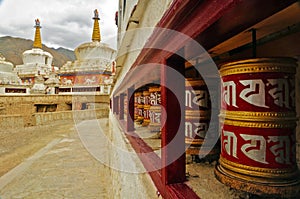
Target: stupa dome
[{"x": 5, "y": 66}]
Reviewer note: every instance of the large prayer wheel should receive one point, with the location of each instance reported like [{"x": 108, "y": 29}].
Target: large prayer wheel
[
  {"x": 155, "y": 109},
  {"x": 258, "y": 122}
]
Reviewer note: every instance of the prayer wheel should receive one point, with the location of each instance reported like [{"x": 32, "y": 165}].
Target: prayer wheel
[
  {"x": 197, "y": 116},
  {"x": 146, "y": 110},
  {"x": 125, "y": 106},
  {"x": 140, "y": 107},
  {"x": 258, "y": 122},
  {"x": 155, "y": 109},
  {"x": 137, "y": 96}
]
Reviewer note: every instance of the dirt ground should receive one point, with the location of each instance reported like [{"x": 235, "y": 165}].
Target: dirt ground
[{"x": 18, "y": 144}]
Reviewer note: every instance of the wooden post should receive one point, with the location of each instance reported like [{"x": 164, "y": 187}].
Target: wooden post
[
  {"x": 117, "y": 105},
  {"x": 121, "y": 108},
  {"x": 173, "y": 145},
  {"x": 130, "y": 110}
]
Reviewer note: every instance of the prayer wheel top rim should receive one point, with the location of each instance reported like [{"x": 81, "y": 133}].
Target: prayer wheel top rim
[
  {"x": 146, "y": 93},
  {"x": 194, "y": 82},
  {"x": 154, "y": 89},
  {"x": 259, "y": 65}
]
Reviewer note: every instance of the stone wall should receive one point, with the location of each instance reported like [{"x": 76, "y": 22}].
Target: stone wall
[
  {"x": 26, "y": 106},
  {"x": 11, "y": 122},
  {"x": 46, "y": 118}
]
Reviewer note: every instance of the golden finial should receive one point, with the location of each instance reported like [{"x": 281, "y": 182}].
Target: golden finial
[
  {"x": 96, "y": 31},
  {"x": 37, "y": 38}
]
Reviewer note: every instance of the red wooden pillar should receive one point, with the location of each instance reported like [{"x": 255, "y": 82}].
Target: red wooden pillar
[
  {"x": 121, "y": 106},
  {"x": 130, "y": 110},
  {"x": 173, "y": 145}
]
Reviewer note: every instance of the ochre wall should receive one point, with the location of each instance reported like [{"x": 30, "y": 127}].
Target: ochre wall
[{"x": 24, "y": 106}]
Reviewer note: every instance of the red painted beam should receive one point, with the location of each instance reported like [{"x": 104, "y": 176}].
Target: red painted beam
[{"x": 199, "y": 15}]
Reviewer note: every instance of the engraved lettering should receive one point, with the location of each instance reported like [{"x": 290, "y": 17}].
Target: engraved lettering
[
  {"x": 154, "y": 117},
  {"x": 281, "y": 149},
  {"x": 188, "y": 130},
  {"x": 256, "y": 149},
  {"x": 155, "y": 99},
  {"x": 230, "y": 143},
  {"x": 188, "y": 98},
  {"x": 280, "y": 93},
  {"x": 229, "y": 93},
  {"x": 254, "y": 93},
  {"x": 201, "y": 98},
  {"x": 201, "y": 129}
]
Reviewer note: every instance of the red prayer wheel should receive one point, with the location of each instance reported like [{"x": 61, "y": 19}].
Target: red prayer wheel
[
  {"x": 146, "y": 110},
  {"x": 155, "y": 109},
  {"x": 140, "y": 107},
  {"x": 197, "y": 116},
  {"x": 258, "y": 122},
  {"x": 125, "y": 105},
  {"x": 137, "y": 96}
]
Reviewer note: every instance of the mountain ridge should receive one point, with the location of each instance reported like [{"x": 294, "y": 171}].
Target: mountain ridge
[{"x": 12, "y": 49}]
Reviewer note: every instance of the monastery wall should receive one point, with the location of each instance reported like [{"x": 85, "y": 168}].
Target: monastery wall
[
  {"x": 152, "y": 13},
  {"x": 32, "y": 110},
  {"x": 129, "y": 180}
]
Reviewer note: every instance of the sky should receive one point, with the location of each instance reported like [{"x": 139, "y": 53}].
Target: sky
[{"x": 65, "y": 23}]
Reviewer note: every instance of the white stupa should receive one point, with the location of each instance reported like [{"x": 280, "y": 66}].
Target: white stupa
[
  {"x": 7, "y": 76},
  {"x": 94, "y": 63},
  {"x": 35, "y": 61}
]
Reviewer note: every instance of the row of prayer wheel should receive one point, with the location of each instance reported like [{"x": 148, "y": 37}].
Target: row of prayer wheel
[
  {"x": 147, "y": 112},
  {"x": 257, "y": 124}
]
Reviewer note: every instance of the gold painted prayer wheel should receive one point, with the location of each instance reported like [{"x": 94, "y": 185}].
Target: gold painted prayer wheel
[
  {"x": 155, "y": 109},
  {"x": 258, "y": 122},
  {"x": 197, "y": 117},
  {"x": 146, "y": 110},
  {"x": 125, "y": 106},
  {"x": 137, "y": 96},
  {"x": 140, "y": 108}
]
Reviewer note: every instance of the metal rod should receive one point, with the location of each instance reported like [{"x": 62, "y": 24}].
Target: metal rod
[{"x": 253, "y": 42}]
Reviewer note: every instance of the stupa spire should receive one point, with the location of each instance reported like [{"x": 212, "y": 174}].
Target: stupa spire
[
  {"x": 96, "y": 30},
  {"x": 37, "y": 38}
]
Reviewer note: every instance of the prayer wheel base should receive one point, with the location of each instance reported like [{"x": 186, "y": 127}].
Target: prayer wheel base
[{"x": 268, "y": 190}]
